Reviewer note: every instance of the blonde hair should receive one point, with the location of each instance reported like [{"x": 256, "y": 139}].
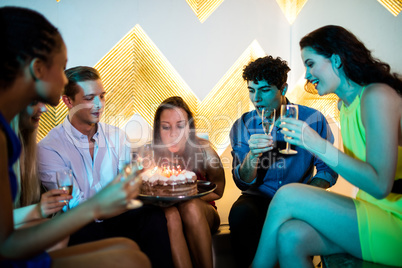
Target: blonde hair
[{"x": 29, "y": 187}]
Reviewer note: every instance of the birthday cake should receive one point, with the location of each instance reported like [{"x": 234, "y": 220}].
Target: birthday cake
[{"x": 168, "y": 182}]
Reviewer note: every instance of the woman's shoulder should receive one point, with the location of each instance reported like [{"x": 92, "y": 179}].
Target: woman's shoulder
[
  {"x": 380, "y": 91},
  {"x": 380, "y": 99},
  {"x": 381, "y": 96}
]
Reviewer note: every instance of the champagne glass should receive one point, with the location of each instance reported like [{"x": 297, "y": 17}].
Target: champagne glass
[
  {"x": 268, "y": 120},
  {"x": 65, "y": 182},
  {"x": 289, "y": 111}
]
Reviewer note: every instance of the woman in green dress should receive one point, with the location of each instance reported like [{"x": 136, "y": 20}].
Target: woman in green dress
[{"x": 304, "y": 221}]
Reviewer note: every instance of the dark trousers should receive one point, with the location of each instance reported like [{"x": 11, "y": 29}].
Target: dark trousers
[
  {"x": 145, "y": 225},
  {"x": 246, "y": 219}
]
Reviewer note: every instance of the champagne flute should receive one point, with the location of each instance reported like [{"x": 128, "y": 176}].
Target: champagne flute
[
  {"x": 65, "y": 182},
  {"x": 289, "y": 111},
  {"x": 268, "y": 120}
]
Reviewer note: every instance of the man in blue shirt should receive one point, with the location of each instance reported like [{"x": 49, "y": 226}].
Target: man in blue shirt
[{"x": 259, "y": 169}]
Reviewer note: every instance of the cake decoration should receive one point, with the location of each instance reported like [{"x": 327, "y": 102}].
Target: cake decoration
[{"x": 169, "y": 181}]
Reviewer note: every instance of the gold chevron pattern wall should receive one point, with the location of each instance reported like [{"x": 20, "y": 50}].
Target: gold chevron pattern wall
[{"x": 137, "y": 78}]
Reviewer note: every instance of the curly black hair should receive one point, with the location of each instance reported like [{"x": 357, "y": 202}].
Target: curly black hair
[{"x": 273, "y": 70}]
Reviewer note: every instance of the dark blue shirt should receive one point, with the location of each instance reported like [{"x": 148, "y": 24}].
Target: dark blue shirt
[
  {"x": 14, "y": 150},
  {"x": 276, "y": 169}
]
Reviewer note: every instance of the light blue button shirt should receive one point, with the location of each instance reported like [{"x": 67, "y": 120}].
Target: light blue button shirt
[{"x": 66, "y": 148}]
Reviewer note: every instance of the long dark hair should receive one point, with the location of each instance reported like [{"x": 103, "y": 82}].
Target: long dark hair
[
  {"x": 357, "y": 62},
  {"x": 193, "y": 143},
  {"x": 25, "y": 35}
]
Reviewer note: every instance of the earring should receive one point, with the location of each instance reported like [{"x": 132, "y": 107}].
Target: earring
[
  {"x": 338, "y": 62},
  {"x": 32, "y": 72}
]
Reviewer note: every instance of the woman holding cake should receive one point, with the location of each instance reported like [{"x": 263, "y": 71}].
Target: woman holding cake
[{"x": 190, "y": 223}]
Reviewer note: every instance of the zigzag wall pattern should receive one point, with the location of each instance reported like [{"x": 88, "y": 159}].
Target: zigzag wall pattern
[
  {"x": 291, "y": 8},
  {"x": 137, "y": 78},
  {"x": 393, "y": 6},
  {"x": 204, "y": 8},
  {"x": 50, "y": 119},
  {"x": 227, "y": 101},
  {"x": 327, "y": 105}
]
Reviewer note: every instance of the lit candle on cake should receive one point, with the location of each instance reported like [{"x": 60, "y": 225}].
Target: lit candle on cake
[
  {"x": 169, "y": 180},
  {"x": 173, "y": 171}
]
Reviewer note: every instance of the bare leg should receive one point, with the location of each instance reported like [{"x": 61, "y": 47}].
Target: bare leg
[
  {"x": 59, "y": 245},
  {"x": 198, "y": 218},
  {"x": 332, "y": 216},
  {"x": 113, "y": 252},
  {"x": 180, "y": 254},
  {"x": 297, "y": 241}
]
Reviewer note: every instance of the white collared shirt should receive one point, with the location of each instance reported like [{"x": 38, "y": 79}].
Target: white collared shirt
[{"x": 66, "y": 148}]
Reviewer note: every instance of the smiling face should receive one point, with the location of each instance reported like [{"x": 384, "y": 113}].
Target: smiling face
[
  {"x": 174, "y": 129},
  {"x": 51, "y": 84},
  {"x": 264, "y": 96},
  {"x": 320, "y": 71},
  {"x": 87, "y": 105}
]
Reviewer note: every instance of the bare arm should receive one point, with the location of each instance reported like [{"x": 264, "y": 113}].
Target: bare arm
[
  {"x": 381, "y": 115},
  {"x": 49, "y": 204},
  {"x": 26, "y": 214},
  {"x": 29, "y": 241},
  {"x": 215, "y": 173}
]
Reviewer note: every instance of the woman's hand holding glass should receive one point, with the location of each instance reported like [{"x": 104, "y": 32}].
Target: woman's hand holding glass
[
  {"x": 53, "y": 201},
  {"x": 299, "y": 133},
  {"x": 65, "y": 183}
]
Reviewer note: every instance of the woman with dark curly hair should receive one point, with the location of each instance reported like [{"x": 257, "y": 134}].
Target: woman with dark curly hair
[
  {"x": 190, "y": 223},
  {"x": 369, "y": 226}
]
